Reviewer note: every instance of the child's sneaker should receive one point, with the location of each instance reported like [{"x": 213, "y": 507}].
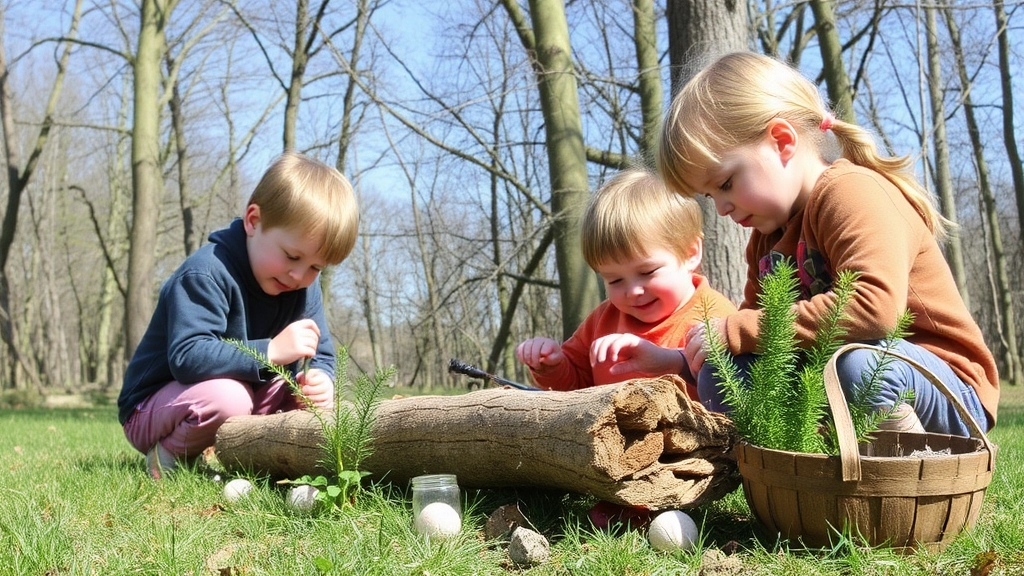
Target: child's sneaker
[
  {"x": 159, "y": 462},
  {"x": 902, "y": 419}
]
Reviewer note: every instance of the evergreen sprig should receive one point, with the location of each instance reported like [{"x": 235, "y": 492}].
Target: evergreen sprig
[
  {"x": 865, "y": 416},
  {"x": 780, "y": 403},
  {"x": 777, "y": 356},
  {"x": 811, "y": 401},
  {"x": 347, "y": 429}
]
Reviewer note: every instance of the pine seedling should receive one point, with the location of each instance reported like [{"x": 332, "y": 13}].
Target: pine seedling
[
  {"x": 346, "y": 430},
  {"x": 781, "y": 403},
  {"x": 774, "y": 370},
  {"x": 811, "y": 402},
  {"x": 729, "y": 377}
]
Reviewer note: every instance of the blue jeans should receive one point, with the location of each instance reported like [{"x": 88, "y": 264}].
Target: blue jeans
[{"x": 937, "y": 414}]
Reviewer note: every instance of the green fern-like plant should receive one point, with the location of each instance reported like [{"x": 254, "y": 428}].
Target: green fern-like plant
[
  {"x": 781, "y": 404},
  {"x": 347, "y": 429}
]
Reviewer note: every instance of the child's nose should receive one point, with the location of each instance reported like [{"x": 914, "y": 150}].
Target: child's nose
[{"x": 723, "y": 207}]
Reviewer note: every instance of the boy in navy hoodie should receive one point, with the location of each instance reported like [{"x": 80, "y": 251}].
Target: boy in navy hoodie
[{"x": 254, "y": 282}]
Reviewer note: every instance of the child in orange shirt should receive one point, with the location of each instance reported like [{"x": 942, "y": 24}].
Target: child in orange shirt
[{"x": 646, "y": 244}]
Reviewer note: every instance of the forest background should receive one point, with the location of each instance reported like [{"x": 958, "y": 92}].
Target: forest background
[{"x": 473, "y": 132}]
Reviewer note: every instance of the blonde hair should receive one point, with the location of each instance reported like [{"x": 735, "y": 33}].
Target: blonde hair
[
  {"x": 304, "y": 194},
  {"x": 634, "y": 212},
  {"x": 730, "y": 103}
]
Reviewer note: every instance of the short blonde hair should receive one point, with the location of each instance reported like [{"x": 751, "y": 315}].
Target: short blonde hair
[
  {"x": 300, "y": 193},
  {"x": 634, "y": 213},
  {"x": 729, "y": 104}
]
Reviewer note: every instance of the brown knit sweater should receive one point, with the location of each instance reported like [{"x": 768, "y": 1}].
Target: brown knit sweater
[{"x": 856, "y": 219}]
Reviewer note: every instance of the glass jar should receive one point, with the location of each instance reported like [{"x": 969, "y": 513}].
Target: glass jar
[{"x": 432, "y": 488}]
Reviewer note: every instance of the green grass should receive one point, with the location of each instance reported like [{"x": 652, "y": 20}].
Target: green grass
[{"x": 74, "y": 499}]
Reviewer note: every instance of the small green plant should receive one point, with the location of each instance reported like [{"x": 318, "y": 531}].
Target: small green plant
[
  {"x": 347, "y": 428},
  {"x": 781, "y": 404}
]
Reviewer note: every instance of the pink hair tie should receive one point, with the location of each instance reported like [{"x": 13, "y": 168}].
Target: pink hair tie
[{"x": 826, "y": 123}]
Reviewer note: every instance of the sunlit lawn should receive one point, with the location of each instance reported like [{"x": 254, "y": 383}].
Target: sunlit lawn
[{"x": 74, "y": 499}]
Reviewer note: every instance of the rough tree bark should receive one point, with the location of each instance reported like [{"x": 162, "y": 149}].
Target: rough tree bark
[
  {"x": 640, "y": 443},
  {"x": 698, "y": 32},
  {"x": 840, "y": 91}
]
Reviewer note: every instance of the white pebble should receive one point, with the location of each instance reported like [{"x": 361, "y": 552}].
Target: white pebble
[
  {"x": 236, "y": 489},
  {"x": 438, "y": 520},
  {"x": 302, "y": 497},
  {"x": 672, "y": 530}
]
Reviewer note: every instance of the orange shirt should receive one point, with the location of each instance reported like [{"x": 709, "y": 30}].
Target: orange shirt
[{"x": 607, "y": 319}]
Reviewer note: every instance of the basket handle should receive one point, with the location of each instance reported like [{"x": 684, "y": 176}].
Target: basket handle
[{"x": 847, "y": 437}]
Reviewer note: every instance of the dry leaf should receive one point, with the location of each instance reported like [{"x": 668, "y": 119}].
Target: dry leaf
[{"x": 984, "y": 562}]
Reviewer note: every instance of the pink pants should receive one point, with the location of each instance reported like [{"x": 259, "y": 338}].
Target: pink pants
[{"x": 184, "y": 418}]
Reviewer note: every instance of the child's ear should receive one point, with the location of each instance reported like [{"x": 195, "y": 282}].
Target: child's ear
[
  {"x": 783, "y": 137},
  {"x": 251, "y": 218},
  {"x": 694, "y": 255}
]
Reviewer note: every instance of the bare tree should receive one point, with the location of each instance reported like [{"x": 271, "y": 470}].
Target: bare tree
[
  {"x": 1006, "y": 91},
  {"x": 18, "y": 176},
  {"x": 147, "y": 172},
  {"x": 698, "y": 31},
  {"x": 181, "y": 152},
  {"x": 548, "y": 45},
  {"x": 1004, "y": 297},
  {"x": 942, "y": 177}
]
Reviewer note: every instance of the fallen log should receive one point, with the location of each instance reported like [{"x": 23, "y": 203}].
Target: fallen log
[{"x": 639, "y": 443}]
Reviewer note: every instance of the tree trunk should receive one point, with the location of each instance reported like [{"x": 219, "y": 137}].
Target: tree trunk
[
  {"x": 698, "y": 32},
  {"x": 640, "y": 443},
  {"x": 840, "y": 92},
  {"x": 943, "y": 179},
  {"x": 147, "y": 176},
  {"x": 551, "y": 52},
  {"x": 1009, "y": 136},
  {"x": 650, "y": 84},
  {"x": 1003, "y": 297},
  {"x": 188, "y": 233},
  {"x": 300, "y": 58}
]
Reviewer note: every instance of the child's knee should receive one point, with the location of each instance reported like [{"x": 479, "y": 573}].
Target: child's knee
[
  {"x": 224, "y": 398},
  {"x": 855, "y": 368}
]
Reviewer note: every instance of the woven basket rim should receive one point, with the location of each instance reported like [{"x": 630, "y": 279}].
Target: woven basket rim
[{"x": 982, "y": 447}]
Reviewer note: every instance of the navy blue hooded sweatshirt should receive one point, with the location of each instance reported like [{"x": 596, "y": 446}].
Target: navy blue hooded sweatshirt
[{"x": 211, "y": 298}]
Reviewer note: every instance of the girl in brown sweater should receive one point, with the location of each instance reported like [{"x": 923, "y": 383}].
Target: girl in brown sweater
[{"x": 750, "y": 133}]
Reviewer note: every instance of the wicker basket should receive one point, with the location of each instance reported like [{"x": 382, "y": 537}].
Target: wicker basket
[{"x": 884, "y": 494}]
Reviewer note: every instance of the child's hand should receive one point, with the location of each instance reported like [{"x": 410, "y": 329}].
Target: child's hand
[
  {"x": 539, "y": 354},
  {"x": 696, "y": 344},
  {"x": 298, "y": 340},
  {"x": 318, "y": 387},
  {"x": 629, "y": 353}
]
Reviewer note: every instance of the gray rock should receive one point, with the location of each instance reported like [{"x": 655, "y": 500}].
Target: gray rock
[{"x": 528, "y": 548}]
